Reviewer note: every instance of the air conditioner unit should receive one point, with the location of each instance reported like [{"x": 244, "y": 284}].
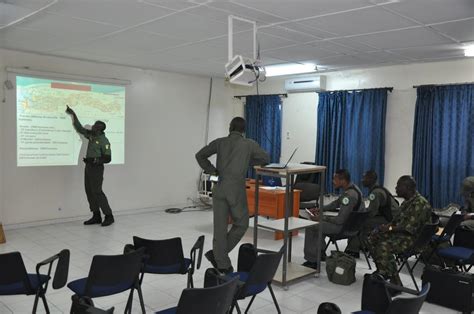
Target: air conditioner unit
[{"x": 306, "y": 84}]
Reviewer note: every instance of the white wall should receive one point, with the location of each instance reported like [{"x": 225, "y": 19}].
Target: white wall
[
  {"x": 165, "y": 126},
  {"x": 299, "y": 110}
]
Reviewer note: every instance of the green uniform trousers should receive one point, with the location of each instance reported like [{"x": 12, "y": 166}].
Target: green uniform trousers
[
  {"x": 93, "y": 178},
  {"x": 228, "y": 199}
]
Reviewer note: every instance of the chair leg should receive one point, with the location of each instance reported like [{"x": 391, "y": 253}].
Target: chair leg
[
  {"x": 190, "y": 281},
  {"x": 237, "y": 307},
  {"x": 35, "y": 305},
  {"x": 410, "y": 270},
  {"x": 367, "y": 259},
  {"x": 128, "y": 307},
  {"x": 140, "y": 296},
  {"x": 250, "y": 304},
  {"x": 43, "y": 297},
  {"x": 274, "y": 298},
  {"x": 335, "y": 243}
]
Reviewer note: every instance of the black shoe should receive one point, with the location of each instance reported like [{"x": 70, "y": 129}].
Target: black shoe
[
  {"x": 312, "y": 265},
  {"x": 353, "y": 254},
  {"x": 108, "y": 220},
  {"x": 226, "y": 271},
  {"x": 210, "y": 257},
  {"x": 96, "y": 219}
]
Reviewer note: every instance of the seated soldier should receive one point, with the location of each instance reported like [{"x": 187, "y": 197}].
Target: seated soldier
[
  {"x": 396, "y": 237},
  {"x": 350, "y": 200},
  {"x": 382, "y": 208}
]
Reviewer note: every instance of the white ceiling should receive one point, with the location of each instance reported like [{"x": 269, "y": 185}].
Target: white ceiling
[{"x": 191, "y": 36}]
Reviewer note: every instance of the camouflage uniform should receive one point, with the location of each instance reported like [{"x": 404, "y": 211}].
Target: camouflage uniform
[
  {"x": 414, "y": 214},
  {"x": 382, "y": 208}
]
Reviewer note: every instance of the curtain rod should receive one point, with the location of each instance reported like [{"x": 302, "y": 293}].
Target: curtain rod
[
  {"x": 390, "y": 89},
  {"x": 282, "y": 95},
  {"x": 416, "y": 86}
]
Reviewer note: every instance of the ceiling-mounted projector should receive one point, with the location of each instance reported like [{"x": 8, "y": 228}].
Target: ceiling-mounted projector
[{"x": 242, "y": 71}]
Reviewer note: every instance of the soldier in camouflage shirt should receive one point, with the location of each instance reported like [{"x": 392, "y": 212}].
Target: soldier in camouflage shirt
[{"x": 398, "y": 236}]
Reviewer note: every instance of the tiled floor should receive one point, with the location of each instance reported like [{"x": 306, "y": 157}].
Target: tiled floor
[{"x": 160, "y": 292}]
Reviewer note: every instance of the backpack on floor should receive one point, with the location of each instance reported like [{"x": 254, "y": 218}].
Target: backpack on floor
[{"x": 340, "y": 268}]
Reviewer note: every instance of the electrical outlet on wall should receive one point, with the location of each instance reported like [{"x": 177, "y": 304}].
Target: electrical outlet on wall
[{"x": 287, "y": 135}]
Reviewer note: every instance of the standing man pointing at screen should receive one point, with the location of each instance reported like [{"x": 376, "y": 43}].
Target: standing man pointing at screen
[{"x": 98, "y": 154}]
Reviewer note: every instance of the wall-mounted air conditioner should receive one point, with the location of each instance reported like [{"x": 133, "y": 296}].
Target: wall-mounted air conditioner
[{"x": 306, "y": 84}]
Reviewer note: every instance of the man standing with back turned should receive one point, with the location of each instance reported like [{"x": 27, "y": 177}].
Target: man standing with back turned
[
  {"x": 98, "y": 154},
  {"x": 234, "y": 156}
]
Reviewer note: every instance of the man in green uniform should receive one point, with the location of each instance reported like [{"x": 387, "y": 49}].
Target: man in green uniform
[
  {"x": 382, "y": 208},
  {"x": 467, "y": 190},
  {"x": 398, "y": 236},
  {"x": 98, "y": 154},
  {"x": 234, "y": 156},
  {"x": 349, "y": 201}
]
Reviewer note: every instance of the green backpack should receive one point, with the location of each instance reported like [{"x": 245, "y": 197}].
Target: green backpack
[{"x": 340, "y": 268}]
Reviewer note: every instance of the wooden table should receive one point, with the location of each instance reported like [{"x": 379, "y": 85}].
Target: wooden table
[{"x": 272, "y": 204}]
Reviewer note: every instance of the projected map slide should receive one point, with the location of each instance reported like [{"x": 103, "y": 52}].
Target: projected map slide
[{"x": 45, "y": 135}]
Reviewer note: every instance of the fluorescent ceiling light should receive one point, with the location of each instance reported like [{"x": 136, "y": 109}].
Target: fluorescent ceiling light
[
  {"x": 289, "y": 68},
  {"x": 469, "y": 51}
]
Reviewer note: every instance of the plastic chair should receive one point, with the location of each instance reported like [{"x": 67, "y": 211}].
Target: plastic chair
[
  {"x": 213, "y": 300},
  {"x": 402, "y": 304},
  {"x": 463, "y": 257},
  {"x": 112, "y": 274},
  {"x": 351, "y": 228},
  {"x": 167, "y": 257},
  {"x": 417, "y": 248},
  {"x": 15, "y": 280},
  {"x": 258, "y": 279}
]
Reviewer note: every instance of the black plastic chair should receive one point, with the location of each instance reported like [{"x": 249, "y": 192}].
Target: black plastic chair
[
  {"x": 463, "y": 257},
  {"x": 258, "y": 279},
  {"x": 15, "y": 280},
  {"x": 167, "y": 257},
  {"x": 417, "y": 248},
  {"x": 351, "y": 228},
  {"x": 402, "y": 304},
  {"x": 112, "y": 274},
  {"x": 446, "y": 235},
  {"x": 309, "y": 186},
  {"x": 213, "y": 300}
]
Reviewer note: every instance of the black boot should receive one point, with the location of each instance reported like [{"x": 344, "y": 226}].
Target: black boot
[
  {"x": 210, "y": 257},
  {"x": 108, "y": 220},
  {"x": 96, "y": 219}
]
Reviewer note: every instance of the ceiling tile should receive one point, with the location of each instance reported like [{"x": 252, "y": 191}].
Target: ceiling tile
[
  {"x": 10, "y": 12},
  {"x": 68, "y": 29},
  {"x": 308, "y": 30},
  {"x": 299, "y": 53},
  {"x": 129, "y": 43},
  {"x": 27, "y": 40},
  {"x": 356, "y": 44},
  {"x": 434, "y": 11},
  {"x": 359, "y": 22},
  {"x": 117, "y": 12},
  {"x": 171, "y": 4},
  {"x": 296, "y": 9},
  {"x": 438, "y": 51},
  {"x": 187, "y": 27},
  {"x": 250, "y": 14},
  {"x": 462, "y": 31},
  {"x": 403, "y": 39},
  {"x": 334, "y": 47},
  {"x": 288, "y": 33}
]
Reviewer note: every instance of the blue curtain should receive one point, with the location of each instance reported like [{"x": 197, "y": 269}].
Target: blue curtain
[
  {"x": 263, "y": 115},
  {"x": 351, "y": 132},
  {"x": 443, "y": 140}
]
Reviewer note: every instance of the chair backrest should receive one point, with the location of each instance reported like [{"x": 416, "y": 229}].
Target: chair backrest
[
  {"x": 307, "y": 177},
  {"x": 423, "y": 239},
  {"x": 213, "y": 300},
  {"x": 197, "y": 249},
  {"x": 409, "y": 305},
  {"x": 62, "y": 270},
  {"x": 114, "y": 270},
  {"x": 162, "y": 252},
  {"x": 262, "y": 271},
  {"x": 13, "y": 270},
  {"x": 453, "y": 222},
  {"x": 355, "y": 222}
]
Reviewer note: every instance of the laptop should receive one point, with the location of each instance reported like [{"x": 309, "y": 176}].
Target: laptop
[{"x": 281, "y": 166}]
